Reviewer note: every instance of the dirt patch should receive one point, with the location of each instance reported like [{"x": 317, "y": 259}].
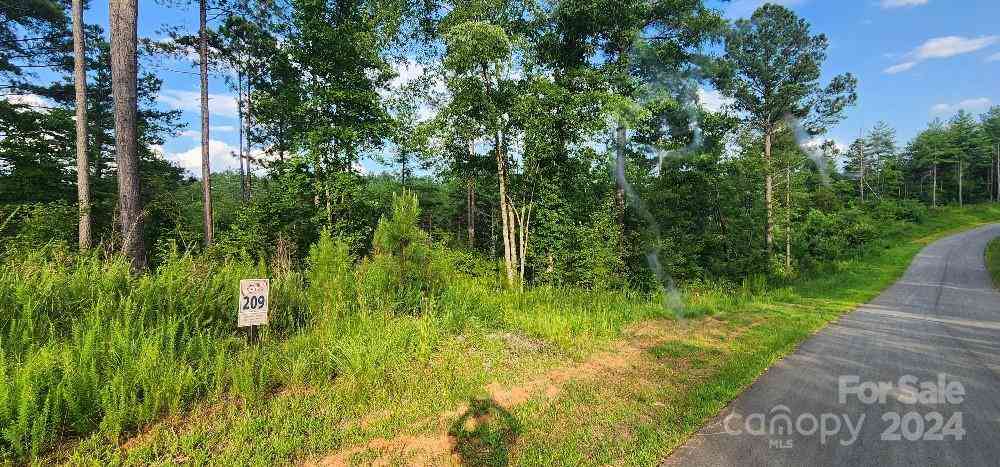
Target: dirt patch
[
  {"x": 550, "y": 384},
  {"x": 416, "y": 450},
  {"x": 176, "y": 422},
  {"x": 521, "y": 343},
  {"x": 437, "y": 449}
]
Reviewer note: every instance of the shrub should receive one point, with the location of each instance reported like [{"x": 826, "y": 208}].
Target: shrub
[
  {"x": 400, "y": 272},
  {"x": 600, "y": 259},
  {"x": 824, "y": 237},
  {"x": 86, "y": 346},
  {"x": 41, "y": 225},
  {"x": 909, "y": 210},
  {"x": 330, "y": 274}
]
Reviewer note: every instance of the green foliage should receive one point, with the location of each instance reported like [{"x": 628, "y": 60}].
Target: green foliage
[
  {"x": 772, "y": 67},
  {"x": 366, "y": 280},
  {"x": 600, "y": 265},
  {"x": 88, "y": 346},
  {"x": 38, "y": 225},
  {"x": 330, "y": 275},
  {"x": 993, "y": 260},
  {"x": 401, "y": 273},
  {"x": 907, "y": 210},
  {"x": 476, "y": 47},
  {"x": 823, "y": 238}
]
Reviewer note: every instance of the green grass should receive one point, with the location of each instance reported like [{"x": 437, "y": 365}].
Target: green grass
[
  {"x": 106, "y": 368},
  {"x": 769, "y": 323},
  {"x": 993, "y": 260}
]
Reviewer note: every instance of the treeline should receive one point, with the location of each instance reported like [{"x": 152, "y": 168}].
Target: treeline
[{"x": 564, "y": 139}]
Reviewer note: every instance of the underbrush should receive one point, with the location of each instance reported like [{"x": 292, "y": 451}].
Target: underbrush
[
  {"x": 88, "y": 346},
  {"x": 89, "y": 350},
  {"x": 993, "y": 260}
]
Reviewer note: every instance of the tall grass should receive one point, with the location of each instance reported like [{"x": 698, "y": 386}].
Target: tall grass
[
  {"x": 88, "y": 349},
  {"x": 85, "y": 345},
  {"x": 993, "y": 260}
]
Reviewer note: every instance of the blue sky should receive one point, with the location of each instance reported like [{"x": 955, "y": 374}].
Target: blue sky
[{"x": 915, "y": 60}]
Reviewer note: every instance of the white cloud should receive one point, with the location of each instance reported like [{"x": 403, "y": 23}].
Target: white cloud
[
  {"x": 900, "y": 68},
  {"x": 817, "y": 142},
  {"x": 950, "y": 46},
  {"x": 218, "y": 104},
  {"x": 942, "y": 47},
  {"x": 196, "y": 133},
  {"x": 220, "y": 157},
  {"x": 712, "y": 100},
  {"x": 972, "y": 105},
  {"x": 886, "y": 4},
  {"x": 994, "y": 58},
  {"x": 34, "y": 101},
  {"x": 407, "y": 71}
]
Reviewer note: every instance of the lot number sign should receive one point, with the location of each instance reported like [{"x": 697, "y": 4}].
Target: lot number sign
[{"x": 254, "y": 298}]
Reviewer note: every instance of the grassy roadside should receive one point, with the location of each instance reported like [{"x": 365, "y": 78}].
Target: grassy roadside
[
  {"x": 759, "y": 329},
  {"x": 539, "y": 378},
  {"x": 993, "y": 260}
]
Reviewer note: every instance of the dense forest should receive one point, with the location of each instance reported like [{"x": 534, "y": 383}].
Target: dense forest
[
  {"x": 571, "y": 147},
  {"x": 526, "y": 146}
]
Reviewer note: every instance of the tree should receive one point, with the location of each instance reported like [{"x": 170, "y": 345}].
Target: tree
[
  {"x": 771, "y": 70},
  {"x": 206, "y": 170},
  {"x": 991, "y": 127},
  {"x": 80, "y": 83},
  {"x": 123, "y": 18},
  {"x": 33, "y": 34},
  {"x": 970, "y": 148},
  {"x": 928, "y": 150},
  {"x": 880, "y": 147},
  {"x": 479, "y": 55}
]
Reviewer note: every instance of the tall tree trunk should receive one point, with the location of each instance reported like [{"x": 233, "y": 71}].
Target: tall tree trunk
[
  {"x": 960, "y": 183},
  {"x": 620, "y": 175},
  {"x": 788, "y": 218},
  {"x": 80, "y": 84},
  {"x": 248, "y": 151},
  {"x": 523, "y": 221},
  {"x": 506, "y": 216},
  {"x": 123, "y": 15},
  {"x": 206, "y": 171},
  {"x": 239, "y": 114},
  {"x": 861, "y": 158},
  {"x": 934, "y": 187},
  {"x": 768, "y": 193},
  {"x": 470, "y": 216}
]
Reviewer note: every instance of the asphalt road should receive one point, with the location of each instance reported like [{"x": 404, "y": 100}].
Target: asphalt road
[{"x": 941, "y": 318}]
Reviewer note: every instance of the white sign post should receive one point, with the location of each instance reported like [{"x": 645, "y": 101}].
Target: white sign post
[{"x": 254, "y": 298}]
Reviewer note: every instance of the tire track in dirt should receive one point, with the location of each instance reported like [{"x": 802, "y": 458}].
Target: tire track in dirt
[{"x": 440, "y": 448}]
